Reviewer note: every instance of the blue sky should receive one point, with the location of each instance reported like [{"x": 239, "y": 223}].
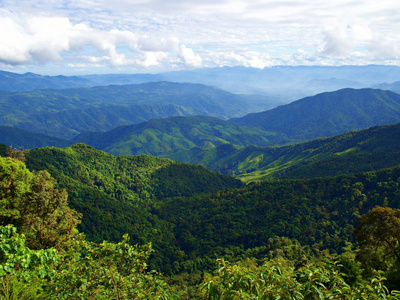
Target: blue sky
[{"x": 131, "y": 36}]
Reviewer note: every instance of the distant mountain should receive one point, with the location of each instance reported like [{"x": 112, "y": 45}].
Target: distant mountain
[
  {"x": 66, "y": 113},
  {"x": 394, "y": 86},
  {"x": 285, "y": 82},
  {"x": 13, "y": 82},
  {"x": 164, "y": 137},
  {"x": 356, "y": 151},
  {"x": 123, "y": 79},
  {"x": 19, "y": 138},
  {"x": 328, "y": 114}
]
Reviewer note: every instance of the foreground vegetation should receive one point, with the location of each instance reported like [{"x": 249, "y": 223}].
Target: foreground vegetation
[{"x": 218, "y": 244}]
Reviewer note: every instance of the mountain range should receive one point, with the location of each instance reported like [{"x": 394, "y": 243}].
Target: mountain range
[
  {"x": 69, "y": 112},
  {"x": 234, "y": 188},
  {"x": 13, "y": 82},
  {"x": 235, "y": 149},
  {"x": 356, "y": 151},
  {"x": 278, "y": 85}
]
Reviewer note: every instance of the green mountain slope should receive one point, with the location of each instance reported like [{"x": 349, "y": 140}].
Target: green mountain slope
[
  {"x": 118, "y": 195},
  {"x": 314, "y": 211},
  {"x": 190, "y": 213},
  {"x": 165, "y": 137},
  {"x": 66, "y": 113},
  {"x": 329, "y": 114},
  {"x": 356, "y": 151},
  {"x": 19, "y": 138}
]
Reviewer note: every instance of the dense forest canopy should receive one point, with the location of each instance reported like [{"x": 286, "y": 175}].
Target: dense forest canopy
[{"x": 283, "y": 231}]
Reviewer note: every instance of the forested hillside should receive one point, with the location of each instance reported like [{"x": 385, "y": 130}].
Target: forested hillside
[
  {"x": 218, "y": 145},
  {"x": 164, "y": 137},
  {"x": 255, "y": 227},
  {"x": 137, "y": 194},
  {"x": 355, "y": 151},
  {"x": 310, "y": 210},
  {"x": 329, "y": 114},
  {"x": 191, "y": 217},
  {"x": 20, "y": 138},
  {"x": 116, "y": 194}
]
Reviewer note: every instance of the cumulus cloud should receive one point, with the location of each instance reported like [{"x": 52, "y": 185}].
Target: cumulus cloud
[
  {"x": 12, "y": 44},
  {"x": 357, "y": 44},
  {"x": 249, "y": 59},
  {"x": 40, "y": 40},
  {"x": 358, "y": 41},
  {"x": 337, "y": 41},
  {"x": 189, "y": 58}
]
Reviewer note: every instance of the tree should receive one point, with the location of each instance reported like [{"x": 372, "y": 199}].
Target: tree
[
  {"x": 379, "y": 230},
  {"x": 18, "y": 154},
  {"x": 14, "y": 184},
  {"x": 32, "y": 202},
  {"x": 378, "y": 237}
]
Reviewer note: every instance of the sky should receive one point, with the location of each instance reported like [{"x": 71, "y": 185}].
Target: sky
[{"x": 148, "y": 36}]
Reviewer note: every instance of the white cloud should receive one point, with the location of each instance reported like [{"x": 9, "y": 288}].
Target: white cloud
[
  {"x": 181, "y": 33},
  {"x": 40, "y": 40},
  {"x": 337, "y": 41},
  {"x": 158, "y": 44},
  {"x": 153, "y": 59},
  {"x": 189, "y": 58},
  {"x": 244, "y": 58},
  {"x": 12, "y": 43},
  {"x": 385, "y": 47},
  {"x": 359, "y": 41}
]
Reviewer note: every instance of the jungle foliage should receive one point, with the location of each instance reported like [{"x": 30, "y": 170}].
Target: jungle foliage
[{"x": 210, "y": 236}]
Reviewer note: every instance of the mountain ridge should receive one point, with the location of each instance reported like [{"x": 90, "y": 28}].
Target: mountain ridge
[
  {"x": 169, "y": 135},
  {"x": 328, "y": 114},
  {"x": 66, "y": 113},
  {"x": 352, "y": 152}
]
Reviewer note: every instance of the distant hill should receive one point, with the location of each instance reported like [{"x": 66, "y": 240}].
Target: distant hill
[
  {"x": 283, "y": 83},
  {"x": 357, "y": 151},
  {"x": 164, "y": 137},
  {"x": 67, "y": 113},
  {"x": 328, "y": 114},
  {"x": 394, "y": 86},
  {"x": 288, "y": 83},
  {"x": 19, "y": 138},
  {"x": 13, "y": 82}
]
